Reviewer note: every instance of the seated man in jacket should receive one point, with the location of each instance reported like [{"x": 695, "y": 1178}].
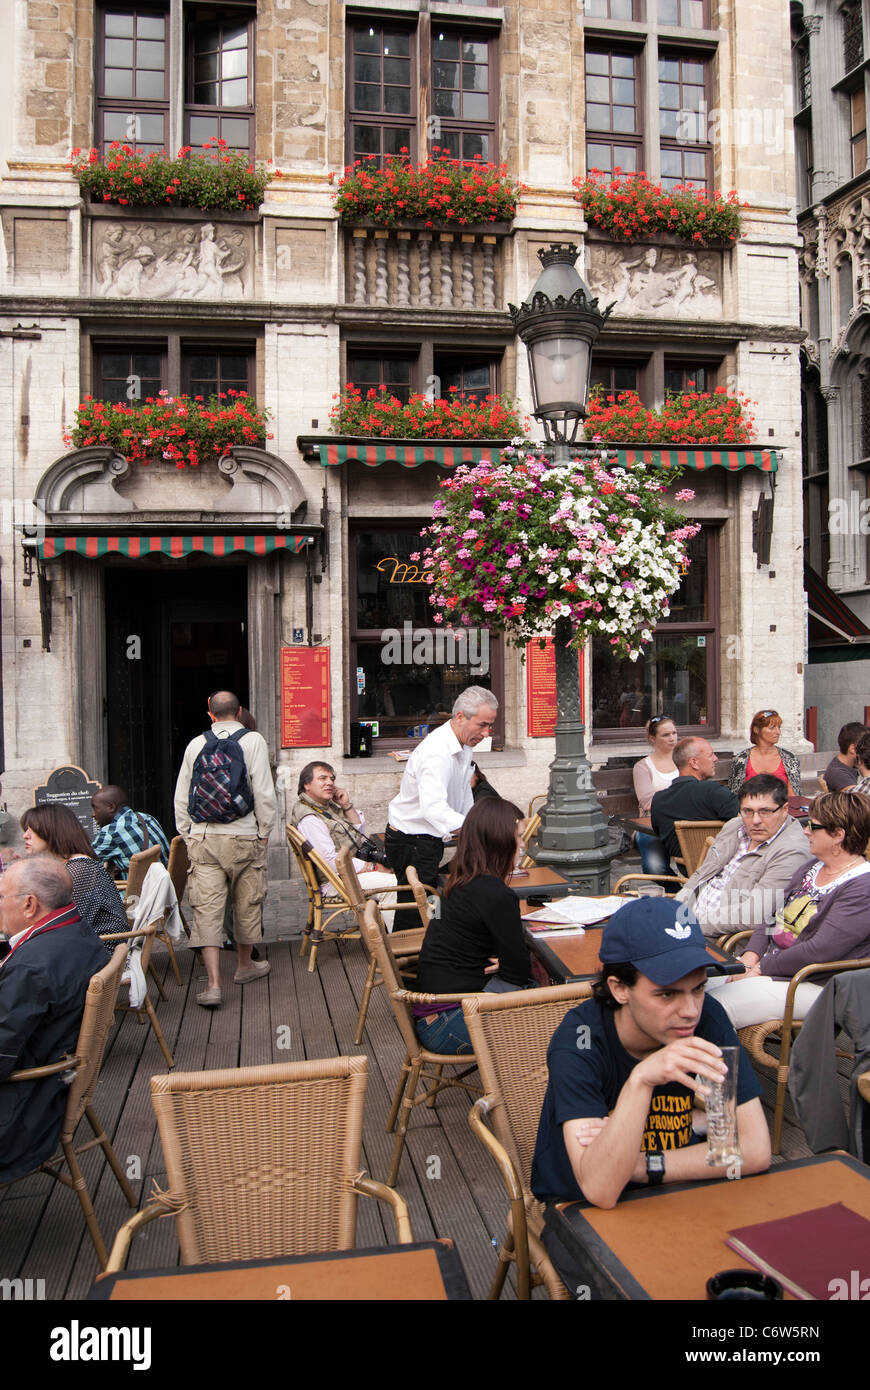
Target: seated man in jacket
[
  {"x": 742, "y": 878},
  {"x": 694, "y": 795},
  {"x": 43, "y": 983},
  {"x": 323, "y": 813}
]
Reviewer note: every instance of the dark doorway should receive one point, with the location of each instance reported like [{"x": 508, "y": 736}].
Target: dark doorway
[{"x": 172, "y": 638}]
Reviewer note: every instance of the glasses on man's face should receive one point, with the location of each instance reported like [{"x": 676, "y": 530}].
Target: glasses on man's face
[
  {"x": 747, "y": 812},
  {"x": 817, "y": 825}
]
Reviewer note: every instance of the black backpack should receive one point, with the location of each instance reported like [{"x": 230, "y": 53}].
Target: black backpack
[{"x": 219, "y": 786}]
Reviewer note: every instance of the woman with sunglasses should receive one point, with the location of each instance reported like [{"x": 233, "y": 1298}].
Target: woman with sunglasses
[
  {"x": 825, "y": 916},
  {"x": 765, "y": 755},
  {"x": 650, "y": 775}
]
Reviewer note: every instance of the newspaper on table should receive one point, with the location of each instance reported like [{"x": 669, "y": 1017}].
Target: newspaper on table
[{"x": 576, "y": 912}]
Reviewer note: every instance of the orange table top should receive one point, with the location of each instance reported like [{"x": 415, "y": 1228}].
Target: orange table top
[
  {"x": 666, "y": 1244},
  {"x": 430, "y": 1270}
]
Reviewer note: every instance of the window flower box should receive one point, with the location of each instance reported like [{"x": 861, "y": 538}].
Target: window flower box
[
  {"x": 186, "y": 429},
  {"x": 380, "y": 415},
  {"x": 689, "y": 417},
  {"x": 439, "y": 193},
  {"x": 630, "y": 208},
  {"x": 212, "y": 180}
]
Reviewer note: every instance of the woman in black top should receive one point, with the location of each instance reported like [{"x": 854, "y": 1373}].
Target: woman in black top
[
  {"x": 477, "y": 942},
  {"x": 56, "y": 830}
]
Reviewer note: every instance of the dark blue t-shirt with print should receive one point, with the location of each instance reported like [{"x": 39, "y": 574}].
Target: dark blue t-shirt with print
[{"x": 588, "y": 1068}]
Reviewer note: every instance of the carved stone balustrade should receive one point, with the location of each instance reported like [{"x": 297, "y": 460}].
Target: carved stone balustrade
[{"x": 425, "y": 268}]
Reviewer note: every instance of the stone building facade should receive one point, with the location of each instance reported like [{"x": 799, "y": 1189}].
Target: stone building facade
[
  {"x": 291, "y": 304},
  {"x": 830, "y": 79}
]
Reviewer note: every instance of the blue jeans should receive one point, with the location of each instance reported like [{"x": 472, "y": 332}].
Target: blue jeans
[
  {"x": 447, "y": 1031},
  {"x": 654, "y": 858}
]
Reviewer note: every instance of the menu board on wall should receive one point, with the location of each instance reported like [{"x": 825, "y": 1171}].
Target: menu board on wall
[
  {"x": 541, "y": 688},
  {"x": 305, "y": 704}
]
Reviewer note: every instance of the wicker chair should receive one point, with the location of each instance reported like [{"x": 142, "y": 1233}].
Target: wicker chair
[
  {"x": 784, "y": 1029},
  {"x": 178, "y": 869},
  {"x": 537, "y": 801},
  {"x": 417, "y": 1057},
  {"x": 510, "y": 1034},
  {"x": 694, "y": 839},
  {"x": 139, "y": 865},
  {"x": 145, "y": 1011},
  {"x": 405, "y": 944},
  {"x": 533, "y": 825},
  {"x": 326, "y": 893},
  {"x": 262, "y": 1162},
  {"x": 99, "y": 1013}
]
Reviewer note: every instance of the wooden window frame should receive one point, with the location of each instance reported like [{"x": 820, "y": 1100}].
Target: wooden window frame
[
  {"x": 190, "y": 349},
  {"x": 459, "y": 124},
  {"x": 103, "y": 346},
  {"x": 381, "y": 119},
  {"x": 710, "y": 628},
  {"x": 193, "y": 109},
  {"x": 630, "y": 139},
  {"x": 369, "y": 637},
  {"x": 680, "y": 24},
  {"x": 131, "y": 106},
  {"x": 683, "y": 147}
]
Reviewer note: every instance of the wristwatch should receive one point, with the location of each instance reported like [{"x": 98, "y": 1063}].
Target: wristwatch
[{"x": 655, "y": 1169}]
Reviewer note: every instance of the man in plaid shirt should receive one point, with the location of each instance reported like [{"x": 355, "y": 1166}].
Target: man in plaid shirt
[{"x": 122, "y": 832}]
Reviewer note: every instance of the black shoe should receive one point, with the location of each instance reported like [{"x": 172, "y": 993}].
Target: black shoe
[
  {"x": 228, "y": 946},
  {"x": 255, "y": 954}
]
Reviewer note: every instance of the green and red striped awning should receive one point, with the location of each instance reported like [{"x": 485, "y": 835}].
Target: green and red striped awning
[
  {"x": 408, "y": 455},
  {"x": 375, "y": 452},
  {"x": 94, "y": 547},
  {"x": 700, "y": 459}
]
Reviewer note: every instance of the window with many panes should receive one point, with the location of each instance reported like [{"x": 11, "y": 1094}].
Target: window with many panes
[
  {"x": 463, "y": 96},
  {"x": 382, "y": 99},
  {"x": 610, "y": 9},
  {"x": 853, "y": 35},
  {"x": 684, "y": 14},
  {"x": 688, "y": 376},
  {"x": 121, "y": 373},
  {"x": 677, "y": 675},
  {"x": 219, "y": 102},
  {"x": 403, "y": 96},
  {"x": 858, "y": 127},
  {"x": 136, "y": 101},
  {"x": 613, "y": 377},
  {"x": 367, "y": 370},
  {"x": 814, "y": 449},
  {"x": 133, "y": 78},
  {"x": 686, "y": 151},
  {"x": 613, "y": 125},
  {"x": 408, "y": 672},
  {"x": 465, "y": 374}
]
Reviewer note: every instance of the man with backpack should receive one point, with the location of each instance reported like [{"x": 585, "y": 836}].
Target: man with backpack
[{"x": 225, "y": 809}]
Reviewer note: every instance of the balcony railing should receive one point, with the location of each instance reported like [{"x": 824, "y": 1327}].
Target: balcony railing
[{"x": 421, "y": 268}]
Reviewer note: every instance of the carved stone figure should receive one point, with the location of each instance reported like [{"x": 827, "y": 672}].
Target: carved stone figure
[
  {"x": 156, "y": 260},
  {"x": 664, "y": 282}
]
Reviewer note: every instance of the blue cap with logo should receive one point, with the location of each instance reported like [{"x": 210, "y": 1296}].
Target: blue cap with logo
[{"x": 660, "y": 937}]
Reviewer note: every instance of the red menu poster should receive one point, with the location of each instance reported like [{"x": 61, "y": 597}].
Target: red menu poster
[
  {"x": 541, "y": 688},
  {"x": 305, "y": 703}
]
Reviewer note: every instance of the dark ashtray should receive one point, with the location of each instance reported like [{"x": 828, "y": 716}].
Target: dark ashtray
[
  {"x": 537, "y": 901},
  {"x": 748, "y": 1284}
]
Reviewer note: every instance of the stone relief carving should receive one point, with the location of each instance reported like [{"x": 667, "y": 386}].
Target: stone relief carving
[
  {"x": 161, "y": 260},
  {"x": 660, "y": 281}
]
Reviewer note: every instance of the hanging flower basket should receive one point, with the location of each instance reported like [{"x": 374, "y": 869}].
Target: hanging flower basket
[
  {"x": 439, "y": 193},
  {"x": 188, "y": 430},
  {"x": 456, "y": 416},
  {"x": 630, "y": 208},
  {"x": 520, "y": 546},
  {"x": 688, "y": 417},
  {"x": 213, "y": 179}
]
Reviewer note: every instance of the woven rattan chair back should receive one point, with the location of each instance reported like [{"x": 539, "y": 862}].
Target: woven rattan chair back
[
  {"x": 421, "y": 895},
  {"x": 179, "y": 866},
  {"x": 261, "y": 1157},
  {"x": 379, "y": 945},
  {"x": 139, "y": 865},
  {"x": 300, "y": 847},
  {"x": 510, "y": 1034},
  {"x": 692, "y": 836},
  {"x": 97, "y": 1020}
]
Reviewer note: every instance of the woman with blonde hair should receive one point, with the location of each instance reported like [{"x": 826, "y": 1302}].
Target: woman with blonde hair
[
  {"x": 765, "y": 755},
  {"x": 650, "y": 775}
]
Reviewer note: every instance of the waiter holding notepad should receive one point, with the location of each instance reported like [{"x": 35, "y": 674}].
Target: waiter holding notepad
[{"x": 435, "y": 794}]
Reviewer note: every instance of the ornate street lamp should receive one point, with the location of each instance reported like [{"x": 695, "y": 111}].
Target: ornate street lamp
[{"x": 559, "y": 324}]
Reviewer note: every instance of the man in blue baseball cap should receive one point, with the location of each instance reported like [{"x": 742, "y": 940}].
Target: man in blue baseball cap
[{"x": 623, "y": 1066}]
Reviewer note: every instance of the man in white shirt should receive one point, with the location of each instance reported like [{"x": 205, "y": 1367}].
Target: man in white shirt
[
  {"x": 228, "y": 855},
  {"x": 323, "y": 813},
  {"x": 435, "y": 795}
]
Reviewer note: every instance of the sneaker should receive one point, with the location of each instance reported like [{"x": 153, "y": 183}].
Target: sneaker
[
  {"x": 210, "y": 998},
  {"x": 256, "y": 971}
]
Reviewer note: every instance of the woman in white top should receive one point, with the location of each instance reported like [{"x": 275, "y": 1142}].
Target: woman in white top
[{"x": 652, "y": 774}]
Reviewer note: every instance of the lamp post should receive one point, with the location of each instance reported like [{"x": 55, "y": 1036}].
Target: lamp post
[{"x": 559, "y": 324}]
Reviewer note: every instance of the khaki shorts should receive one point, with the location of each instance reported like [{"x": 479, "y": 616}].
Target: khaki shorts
[{"x": 222, "y": 864}]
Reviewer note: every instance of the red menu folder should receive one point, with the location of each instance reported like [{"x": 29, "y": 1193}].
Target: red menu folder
[{"x": 811, "y": 1254}]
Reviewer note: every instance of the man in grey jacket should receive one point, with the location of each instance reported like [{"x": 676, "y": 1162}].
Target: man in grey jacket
[{"x": 749, "y": 863}]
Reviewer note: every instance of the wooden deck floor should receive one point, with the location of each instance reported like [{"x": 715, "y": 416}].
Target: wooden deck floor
[{"x": 451, "y": 1185}]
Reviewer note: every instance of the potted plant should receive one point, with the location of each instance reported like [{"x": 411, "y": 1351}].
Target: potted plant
[
  {"x": 628, "y": 207},
  {"x": 456, "y": 416},
  {"x": 212, "y": 179},
  {"x": 442, "y": 192},
  {"x": 188, "y": 430}
]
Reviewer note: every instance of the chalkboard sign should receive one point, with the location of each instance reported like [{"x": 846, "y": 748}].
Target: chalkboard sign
[{"x": 70, "y": 786}]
